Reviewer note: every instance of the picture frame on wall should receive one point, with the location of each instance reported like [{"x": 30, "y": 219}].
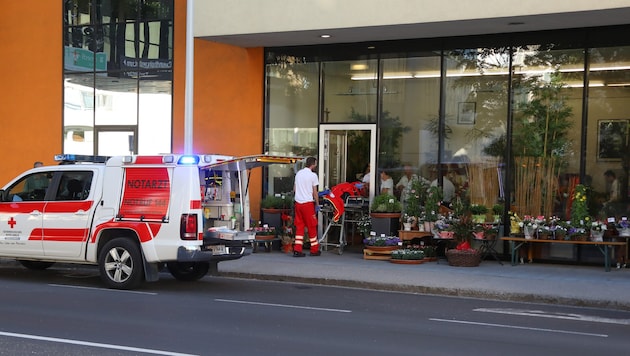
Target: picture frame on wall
[
  {"x": 466, "y": 111},
  {"x": 612, "y": 139}
]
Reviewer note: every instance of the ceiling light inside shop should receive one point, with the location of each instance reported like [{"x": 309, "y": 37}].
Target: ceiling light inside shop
[{"x": 359, "y": 66}]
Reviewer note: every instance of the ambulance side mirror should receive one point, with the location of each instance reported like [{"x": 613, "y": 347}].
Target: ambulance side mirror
[{"x": 3, "y": 195}]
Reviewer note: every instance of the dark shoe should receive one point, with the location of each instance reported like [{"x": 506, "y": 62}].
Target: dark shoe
[
  {"x": 315, "y": 253},
  {"x": 298, "y": 254}
]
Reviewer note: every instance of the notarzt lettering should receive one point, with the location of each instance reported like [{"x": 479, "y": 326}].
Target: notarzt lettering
[{"x": 148, "y": 184}]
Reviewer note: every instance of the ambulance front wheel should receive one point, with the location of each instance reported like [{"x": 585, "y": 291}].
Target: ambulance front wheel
[
  {"x": 188, "y": 271},
  {"x": 120, "y": 264}
]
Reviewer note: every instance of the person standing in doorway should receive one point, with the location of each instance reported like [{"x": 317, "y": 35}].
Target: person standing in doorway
[{"x": 306, "y": 207}]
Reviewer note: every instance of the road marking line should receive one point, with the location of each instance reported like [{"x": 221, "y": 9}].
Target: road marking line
[
  {"x": 93, "y": 344},
  {"x": 518, "y": 327},
  {"x": 284, "y": 305},
  {"x": 102, "y": 289},
  {"x": 565, "y": 316}
]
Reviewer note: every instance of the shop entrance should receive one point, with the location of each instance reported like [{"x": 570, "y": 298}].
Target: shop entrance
[{"x": 345, "y": 150}]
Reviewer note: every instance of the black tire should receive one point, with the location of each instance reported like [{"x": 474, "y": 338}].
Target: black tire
[
  {"x": 120, "y": 264},
  {"x": 188, "y": 271},
  {"x": 36, "y": 265}
]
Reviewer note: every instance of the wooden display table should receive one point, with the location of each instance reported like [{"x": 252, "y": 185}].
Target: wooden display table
[
  {"x": 407, "y": 235},
  {"x": 517, "y": 242}
]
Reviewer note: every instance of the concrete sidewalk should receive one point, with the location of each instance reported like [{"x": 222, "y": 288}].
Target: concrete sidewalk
[{"x": 580, "y": 285}]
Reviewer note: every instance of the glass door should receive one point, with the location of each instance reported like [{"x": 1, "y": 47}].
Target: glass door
[{"x": 345, "y": 150}]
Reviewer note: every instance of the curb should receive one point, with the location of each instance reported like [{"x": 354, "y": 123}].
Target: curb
[{"x": 439, "y": 291}]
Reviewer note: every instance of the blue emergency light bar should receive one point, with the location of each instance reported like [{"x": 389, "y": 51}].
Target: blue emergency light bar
[
  {"x": 188, "y": 160},
  {"x": 72, "y": 158}
]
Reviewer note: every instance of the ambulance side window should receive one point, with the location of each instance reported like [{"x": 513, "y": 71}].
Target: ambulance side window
[
  {"x": 74, "y": 185},
  {"x": 30, "y": 188}
]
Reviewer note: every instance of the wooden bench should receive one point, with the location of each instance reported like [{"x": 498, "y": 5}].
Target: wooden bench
[{"x": 603, "y": 246}]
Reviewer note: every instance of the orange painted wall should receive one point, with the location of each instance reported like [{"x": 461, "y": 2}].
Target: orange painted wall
[
  {"x": 228, "y": 98},
  {"x": 228, "y": 101},
  {"x": 31, "y": 90}
]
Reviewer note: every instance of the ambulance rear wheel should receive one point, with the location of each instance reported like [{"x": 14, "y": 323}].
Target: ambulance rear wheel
[
  {"x": 120, "y": 264},
  {"x": 36, "y": 265},
  {"x": 188, "y": 271}
]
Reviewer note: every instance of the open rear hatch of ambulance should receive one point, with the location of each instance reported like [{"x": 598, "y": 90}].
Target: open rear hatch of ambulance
[{"x": 240, "y": 169}]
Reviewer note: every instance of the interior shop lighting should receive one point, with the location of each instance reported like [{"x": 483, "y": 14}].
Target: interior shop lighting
[{"x": 436, "y": 74}]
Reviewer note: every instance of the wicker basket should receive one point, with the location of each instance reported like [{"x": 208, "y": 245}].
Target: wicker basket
[{"x": 463, "y": 258}]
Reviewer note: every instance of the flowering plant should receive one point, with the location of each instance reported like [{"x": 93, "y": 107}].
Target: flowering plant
[
  {"x": 623, "y": 224},
  {"x": 416, "y": 193},
  {"x": 579, "y": 207},
  {"x": 407, "y": 254},
  {"x": 528, "y": 221},
  {"x": 432, "y": 206},
  {"x": 598, "y": 226},
  {"x": 410, "y": 219},
  {"x": 365, "y": 224},
  {"x": 381, "y": 241}
]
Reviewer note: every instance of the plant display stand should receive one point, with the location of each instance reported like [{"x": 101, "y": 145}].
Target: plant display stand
[
  {"x": 406, "y": 262},
  {"x": 381, "y": 253}
]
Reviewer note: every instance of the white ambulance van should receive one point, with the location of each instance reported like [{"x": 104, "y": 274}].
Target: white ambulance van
[{"x": 131, "y": 215}]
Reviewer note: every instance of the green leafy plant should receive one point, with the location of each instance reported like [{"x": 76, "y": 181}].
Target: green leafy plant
[
  {"x": 385, "y": 203},
  {"x": 497, "y": 209},
  {"x": 277, "y": 202},
  {"x": 477, "y": 209}
]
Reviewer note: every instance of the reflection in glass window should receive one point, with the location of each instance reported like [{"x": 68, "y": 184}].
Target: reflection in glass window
[
  {"x": 475, "y": 123},
  {"x": 547, "y": 114},
  {"x": 410, "y": 110},
  {"x": 607, "y": 137},
  {"x": 351, "y": 91},
  {"x": 293, "y": 110},
  {"x": 123, "y": 51}
]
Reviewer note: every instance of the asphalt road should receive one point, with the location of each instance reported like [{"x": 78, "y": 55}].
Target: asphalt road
[{"x": 65, "y": 311}]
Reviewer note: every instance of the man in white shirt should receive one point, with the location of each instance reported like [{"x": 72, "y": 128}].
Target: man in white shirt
[{"x": 306, "y": 207}]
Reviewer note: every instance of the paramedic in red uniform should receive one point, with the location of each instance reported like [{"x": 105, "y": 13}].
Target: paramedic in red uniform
[{"x": 306, "y": 206}]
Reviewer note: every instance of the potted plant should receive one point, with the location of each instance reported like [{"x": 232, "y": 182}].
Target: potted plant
[
  {"x": 497, "y": 211},
  {"x": 407, "y": 256},
  {"x": 276, "y": 202},
  {"x": 463, "y": 255},
  {"x": 432, "y": 207},
  {"x": 273, "y": 206},
  {"x": 364, "y": 225},
  {"x": 597, "y": 230},
  {"x": 381, "y": 242},
  {"x": 385, "y": 214},
  {"x": 478, "y": 212},
  {"x": 416, "y": 193}
]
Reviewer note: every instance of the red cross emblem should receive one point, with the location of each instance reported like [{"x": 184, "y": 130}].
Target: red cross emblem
[{"x": 12, "y": 222}]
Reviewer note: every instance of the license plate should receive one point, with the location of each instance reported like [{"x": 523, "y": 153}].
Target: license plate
[{"x": 218, "y": 249}]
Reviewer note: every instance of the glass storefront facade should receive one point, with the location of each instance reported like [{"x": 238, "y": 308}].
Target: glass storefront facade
[
  {"x": 484, "y": 113},
  {"x": 118, "y": 76}
]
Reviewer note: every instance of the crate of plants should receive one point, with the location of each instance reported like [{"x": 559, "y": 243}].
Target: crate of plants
[{"x": 407, "y": 256}]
